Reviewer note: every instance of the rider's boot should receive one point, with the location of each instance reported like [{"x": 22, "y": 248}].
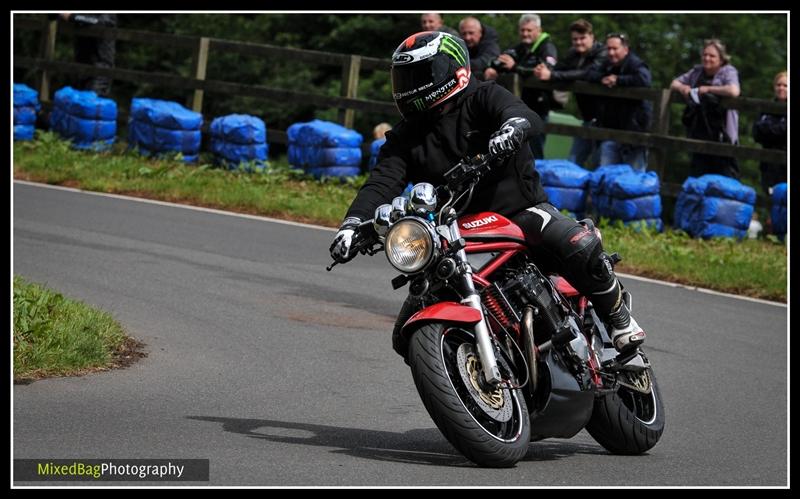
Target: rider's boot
[{"x": 625, "y": 332}]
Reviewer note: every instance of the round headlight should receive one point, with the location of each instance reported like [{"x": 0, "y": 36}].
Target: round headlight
[{"x": 409, "y": 246}]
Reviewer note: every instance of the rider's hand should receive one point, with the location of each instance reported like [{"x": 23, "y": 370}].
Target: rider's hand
[
  {"x": 340, "y": 248},
  {"x": 510, "y": 136}
]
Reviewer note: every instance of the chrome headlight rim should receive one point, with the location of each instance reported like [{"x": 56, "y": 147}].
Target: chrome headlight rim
[{"x": 431, "y": 239}]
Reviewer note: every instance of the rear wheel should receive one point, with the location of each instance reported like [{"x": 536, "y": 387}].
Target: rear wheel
[
  {"x": 489, "y": 425},
  {"x": 629, "y": 420}
]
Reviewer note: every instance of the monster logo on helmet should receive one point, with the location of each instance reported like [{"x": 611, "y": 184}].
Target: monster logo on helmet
[{"x": 428, "y": 68}]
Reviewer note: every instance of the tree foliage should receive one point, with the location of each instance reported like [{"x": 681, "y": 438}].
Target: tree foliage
[{"x": 670, "y": 44}]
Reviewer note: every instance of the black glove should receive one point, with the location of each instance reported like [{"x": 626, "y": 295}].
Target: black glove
[
  {"x": 340, "y": 248},
  {"x": 510, "y": 136}
]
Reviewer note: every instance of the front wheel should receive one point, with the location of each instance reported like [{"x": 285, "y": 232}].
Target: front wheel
[
  {"x": 491, "y": 427},
  {"x": 629, "y": 420}
]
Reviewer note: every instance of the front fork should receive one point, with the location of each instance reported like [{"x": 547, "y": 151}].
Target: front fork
[{"x": 484, "y": 340}]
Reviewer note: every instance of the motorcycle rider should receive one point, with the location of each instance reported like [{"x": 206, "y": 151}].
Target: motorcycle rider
[{"x": 448, "y": 115}]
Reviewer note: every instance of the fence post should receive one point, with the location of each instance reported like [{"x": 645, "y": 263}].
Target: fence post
[
  {"x": 47, "y": 50},
  {"x": 661, "y": 118},
  {"x": 350, "y": 71},
  {"x": 199, "y": 64}
]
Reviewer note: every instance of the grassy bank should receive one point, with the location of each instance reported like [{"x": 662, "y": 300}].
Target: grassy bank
[
  {"x": 56, "y": 336},
  {"x": 755, "y": 268}
]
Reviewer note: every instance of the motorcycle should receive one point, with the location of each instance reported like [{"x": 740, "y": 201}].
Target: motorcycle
[{"x": 502, "y": 354}]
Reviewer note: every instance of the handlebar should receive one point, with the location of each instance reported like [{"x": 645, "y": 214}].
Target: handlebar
[
  {"x": 364, "y": 239},
  {"x": 470, "y": 170},
  {"x": 459, "y": 178}
]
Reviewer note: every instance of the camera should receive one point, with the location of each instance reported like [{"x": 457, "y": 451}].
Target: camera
[{"x": 497, "y": 65}]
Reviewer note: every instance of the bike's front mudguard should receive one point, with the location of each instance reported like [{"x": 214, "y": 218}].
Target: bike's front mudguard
[{"x": 446, "y": 311}]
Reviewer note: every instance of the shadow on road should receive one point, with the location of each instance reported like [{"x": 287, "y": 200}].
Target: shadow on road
[{"x": 424, "y": 446}]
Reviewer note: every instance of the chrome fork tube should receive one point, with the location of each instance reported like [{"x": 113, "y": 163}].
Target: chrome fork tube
[{"x": 484, "y": 342}]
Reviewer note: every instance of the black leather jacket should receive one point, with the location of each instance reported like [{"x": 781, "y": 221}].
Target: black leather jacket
[{"x": 423, "y": 150}]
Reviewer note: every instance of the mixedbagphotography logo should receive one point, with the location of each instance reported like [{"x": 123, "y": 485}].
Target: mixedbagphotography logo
[{"x": 140, "y": 470}]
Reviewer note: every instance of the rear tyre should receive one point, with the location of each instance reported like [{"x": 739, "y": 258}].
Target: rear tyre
[
  {"x": 491, "y": 427},
  {"x": 629, "y": 421}
]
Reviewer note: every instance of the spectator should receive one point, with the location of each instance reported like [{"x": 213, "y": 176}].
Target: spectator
[
  {"x": 379, "y": 132},
  {"x": 535, "y": 49},
  {"x": 98, "y": 52},
  {"x": 770, "y": 132},
  {"x": 624, "y": 69},
  {"x": 481, "y": 43},
  {"x": 586, "y": 53},
  {"x": 704, "y": 117},
  {"x": 432, "y": 21}
]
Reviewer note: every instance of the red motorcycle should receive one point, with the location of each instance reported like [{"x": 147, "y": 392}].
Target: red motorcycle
[{"x": 501, "y": 353}]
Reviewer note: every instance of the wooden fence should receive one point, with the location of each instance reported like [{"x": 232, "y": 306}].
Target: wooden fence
[{"x": 198, "y": 84}]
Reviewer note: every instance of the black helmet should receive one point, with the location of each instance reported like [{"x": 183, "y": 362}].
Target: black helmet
[{"x": 427, "y": 69}]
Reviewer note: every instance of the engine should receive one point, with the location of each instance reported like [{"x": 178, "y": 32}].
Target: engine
[{"x": 507, "y": 298}]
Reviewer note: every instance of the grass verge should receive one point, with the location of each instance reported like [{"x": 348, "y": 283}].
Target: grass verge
[
  {"x": 56, "y": 336},
  {"x": 756, "y": 268}
]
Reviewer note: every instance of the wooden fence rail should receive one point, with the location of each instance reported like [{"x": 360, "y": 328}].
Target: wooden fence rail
[{"x": 198, "y": 84}]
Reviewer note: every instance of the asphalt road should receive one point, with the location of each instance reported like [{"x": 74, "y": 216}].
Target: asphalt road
[{"x": 282, "y": 374}]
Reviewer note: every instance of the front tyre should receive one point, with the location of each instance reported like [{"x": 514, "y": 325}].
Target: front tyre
[
  {"x": 629, "y": 420},
  {"x": 491, "y": 427}
]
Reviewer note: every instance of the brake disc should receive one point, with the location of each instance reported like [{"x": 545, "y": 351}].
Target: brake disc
[{"x": 495, "y": 403}]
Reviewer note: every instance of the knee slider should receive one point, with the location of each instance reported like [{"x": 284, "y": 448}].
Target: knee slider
[{"x": 590, "y": 267}]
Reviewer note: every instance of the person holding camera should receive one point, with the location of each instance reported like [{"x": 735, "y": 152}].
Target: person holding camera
[{"x": 535, "y": 49}]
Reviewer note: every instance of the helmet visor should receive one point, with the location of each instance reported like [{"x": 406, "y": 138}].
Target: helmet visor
[{"x": 408, "y": 79}]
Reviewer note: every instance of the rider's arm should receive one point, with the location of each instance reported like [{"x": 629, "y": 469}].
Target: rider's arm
[
  {"x": 502, "y": 105},
  {"x": 387, "y": 180}
]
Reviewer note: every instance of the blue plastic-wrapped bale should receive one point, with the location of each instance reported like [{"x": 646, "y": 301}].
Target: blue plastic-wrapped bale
[
  {"x": 165, "y": 114},
  {"x": 23, "y": 132},
  {"x": 714, "y": 206},
  {"x": 334, "y": 171},
  {"x": 633, "y": 185},
  {"x": 778, "y": 209},
  {"x": 82, "y": 131},
  {"x": 85, "y": 104},
  {"x": 24, "y": 115},
  {"x": 635, "y": 208},
  {"x": 374, "y": 150},
  {"x": 232, "y": 155},
  {"x": 84, "y": 118},
  {"x": 25, "y": 96},
  {"x": 728, "y": 188},
  {"x": 565, "y": 198},
  {"x": 724, "y": 211},
  {"x": 239, "y": 129},
  {"x": 165, "y": 128},
  {"x": 326, "y": 134},
  {"x": 164, "y": 140},
  {"x": 26, "y": 105},
  {"x": 324, "y": 149},
  {"x": 599, "y": 181},
  {"x": 562, "y": 173}
]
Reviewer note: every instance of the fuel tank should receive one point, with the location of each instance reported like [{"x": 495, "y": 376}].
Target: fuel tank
[{"x": 488, "y": 225}]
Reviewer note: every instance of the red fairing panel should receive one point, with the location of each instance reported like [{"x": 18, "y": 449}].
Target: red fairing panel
[
  {"x": 563, "y": 286},
  {"x": 489, "y": 224},
  {"x": 446, "y": 311}
]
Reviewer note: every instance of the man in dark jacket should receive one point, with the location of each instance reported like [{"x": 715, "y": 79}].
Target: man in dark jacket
[
  {"x": 770, "y": 132},
  {"x": 449, "y": 115},
  {"x": 622, "y": 69},
  {"x": 535, "y": 49},
  {"x": 586, "y": 54},
  {"x": 481, "y": 42},
  {"x": 97, "y": 51}
]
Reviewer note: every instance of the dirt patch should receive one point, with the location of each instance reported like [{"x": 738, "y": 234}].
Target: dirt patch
[{"x": 130, "y": 351}]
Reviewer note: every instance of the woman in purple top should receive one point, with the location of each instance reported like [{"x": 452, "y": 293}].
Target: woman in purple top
[{"x": 704, "y": 117}]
